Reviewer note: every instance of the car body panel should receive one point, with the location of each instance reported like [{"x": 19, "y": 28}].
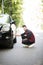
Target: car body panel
[{"x": 6, "y": 32}]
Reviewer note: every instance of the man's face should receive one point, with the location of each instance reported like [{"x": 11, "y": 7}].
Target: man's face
[{"x": 25, "y": 28}]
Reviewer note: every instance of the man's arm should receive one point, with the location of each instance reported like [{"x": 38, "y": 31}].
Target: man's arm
[{"x": 18, "y": 35}]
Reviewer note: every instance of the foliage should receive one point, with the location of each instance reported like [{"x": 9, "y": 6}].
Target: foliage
[
  {"x": 0, "y": 3},
  {"x": 15, "y": 9}
]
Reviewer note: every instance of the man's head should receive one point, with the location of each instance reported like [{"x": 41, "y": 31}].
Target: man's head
[{"x": 24, "y": 27}]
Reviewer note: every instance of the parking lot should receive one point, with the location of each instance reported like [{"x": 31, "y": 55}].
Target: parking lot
[{"x": 23, "y": 56}]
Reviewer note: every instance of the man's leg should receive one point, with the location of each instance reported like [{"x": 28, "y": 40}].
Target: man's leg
[{"x": 26, "y": 44}]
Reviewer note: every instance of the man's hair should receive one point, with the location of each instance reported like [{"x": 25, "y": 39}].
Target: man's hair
[{"x": 24, "y": 26}]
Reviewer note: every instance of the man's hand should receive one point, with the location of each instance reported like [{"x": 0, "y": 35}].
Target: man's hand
[{"x": 25, "y": 39}]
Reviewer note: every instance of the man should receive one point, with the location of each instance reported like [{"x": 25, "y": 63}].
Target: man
[{"x": 28, "y": 37}]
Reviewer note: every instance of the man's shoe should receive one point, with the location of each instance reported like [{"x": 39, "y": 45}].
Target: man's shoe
[
  {"x": 26, "y": 46},
  {"x": 32, "y": 45}
]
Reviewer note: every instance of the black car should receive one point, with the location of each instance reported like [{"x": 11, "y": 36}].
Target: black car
[{"x": 6, "y": 32}]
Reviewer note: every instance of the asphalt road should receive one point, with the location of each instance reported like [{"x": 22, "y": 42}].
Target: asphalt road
[{"x": 23, "y": 56}]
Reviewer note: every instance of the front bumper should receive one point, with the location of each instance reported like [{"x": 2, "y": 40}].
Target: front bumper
[{"x": 6, "y": 40}]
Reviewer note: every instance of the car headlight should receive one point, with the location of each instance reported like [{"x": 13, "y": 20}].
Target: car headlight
[{"x": 5, "y": 27}]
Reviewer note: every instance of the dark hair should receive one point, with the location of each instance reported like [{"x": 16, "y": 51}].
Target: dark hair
[{"x": 24, "y": 26}]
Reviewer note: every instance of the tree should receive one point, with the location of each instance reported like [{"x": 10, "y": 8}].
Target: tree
[
  {"x": 14, "y": 9},
  {"x": 17, "y": 11},
  {"x": 0, "y": 4},
  {"x": 8, "y": 6}
]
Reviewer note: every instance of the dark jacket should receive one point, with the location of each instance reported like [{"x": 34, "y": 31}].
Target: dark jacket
[{"x": 29, "y": 35}]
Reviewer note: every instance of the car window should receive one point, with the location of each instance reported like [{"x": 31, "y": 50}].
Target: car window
[{"x": 5, "y": 19}]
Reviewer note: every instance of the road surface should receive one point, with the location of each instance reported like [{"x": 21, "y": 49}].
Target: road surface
[{"x": 23, "y": 56}]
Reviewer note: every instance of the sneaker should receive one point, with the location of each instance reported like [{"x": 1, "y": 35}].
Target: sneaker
[
  {"x": 32, "y": 45},
  {"x": 26, "y": 46}
]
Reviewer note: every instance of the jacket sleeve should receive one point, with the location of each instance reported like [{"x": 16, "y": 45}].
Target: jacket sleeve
[{"x": 29, "y": 35}]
